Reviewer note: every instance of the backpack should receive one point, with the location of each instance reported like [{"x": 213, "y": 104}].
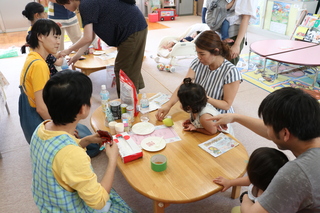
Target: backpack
[{"x": 216, "y": 13}]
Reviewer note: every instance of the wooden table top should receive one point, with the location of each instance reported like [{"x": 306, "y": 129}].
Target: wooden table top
[
  {"x": 93, "y": 62},
  {"x": 190, "y": 170}
]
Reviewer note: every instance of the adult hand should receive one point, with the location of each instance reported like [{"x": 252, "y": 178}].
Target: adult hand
[
  {"x": 222, "y": 120},
  {"x": 112, "y": 151},
  {"x": 64, "y": 53},
  {"x": 162, "y": 112},
  {"x": 223, "y": 182},
  {"x": 73, "y": 59},
  {"x": 234, "y": 51}
]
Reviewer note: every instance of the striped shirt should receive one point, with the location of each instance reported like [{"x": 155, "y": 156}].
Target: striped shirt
[
  {"x": 214, "y": 80},
  {"x": 61, "y": 15}
]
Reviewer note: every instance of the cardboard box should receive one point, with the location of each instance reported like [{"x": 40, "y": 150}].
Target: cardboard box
[{"x": 128, "y": 149}]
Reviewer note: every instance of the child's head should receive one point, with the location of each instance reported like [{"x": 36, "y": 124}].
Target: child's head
[
  {"x": 41, "y": 27},
  {"x": 192, "y": 96},
  {"x": 195, "y": 34},
  {"x": 65, "y": 93},
  {"x": 34, "y": 11},
  {"x": 263, "y": 165}
]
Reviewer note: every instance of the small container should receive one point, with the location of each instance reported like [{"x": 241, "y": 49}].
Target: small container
[
  {"x": 123, "y": 108},
  {"x": 112, "y": 128},
  {"x": 119, "y": 127},
  {"x": 91, "y": 50},
  {"x": 115, "y": 109},
  {"x": 126, "y": 120},
  {"x": 130, "y": 111}
]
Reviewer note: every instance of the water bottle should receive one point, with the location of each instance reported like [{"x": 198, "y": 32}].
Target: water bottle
[
  {"x": 104, "y": 95},
  {"x": 144, "y": 108}
]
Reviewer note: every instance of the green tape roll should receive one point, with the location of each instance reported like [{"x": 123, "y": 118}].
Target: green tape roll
[{"x": 158, "y": 163}]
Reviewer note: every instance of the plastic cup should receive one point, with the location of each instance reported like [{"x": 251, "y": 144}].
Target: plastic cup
[
  {"x": 158, "y": 163},
  {"x": 119, "y": 127},
  {"x": 112, "y": 127}
]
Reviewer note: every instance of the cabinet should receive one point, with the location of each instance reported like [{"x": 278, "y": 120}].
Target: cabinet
[{"x": 184, "y": 7}]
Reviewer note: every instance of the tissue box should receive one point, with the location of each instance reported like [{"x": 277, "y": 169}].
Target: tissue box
[{"x": 128, "y": 149}]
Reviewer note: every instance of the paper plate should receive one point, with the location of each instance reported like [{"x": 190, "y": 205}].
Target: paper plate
[
  {"x": 153, "y": 144},
  {"x": 143, "y": 128},
  {"x": 98, "y": 52}
]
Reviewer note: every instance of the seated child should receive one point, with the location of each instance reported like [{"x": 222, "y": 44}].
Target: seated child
[
  {"x": 190, "y": 38},
  {"x": 63, "y": 179},
  {"x": 34, "y": 11},
  {"x": 193, "y": 100},
  {"x": 263, "y": 165}
]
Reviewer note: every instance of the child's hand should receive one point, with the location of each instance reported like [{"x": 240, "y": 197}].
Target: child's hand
[
  {"x": 224, "y": 182},
  {"x": 186, "y": 123},
  {"x": 190, "y": 127},
  {"x": 112, "y": 151}
]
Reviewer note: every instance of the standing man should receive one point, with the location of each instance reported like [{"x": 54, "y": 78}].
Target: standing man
[
  {"x": 117, "y": 23},
  {"x": 291, "y": 119}
]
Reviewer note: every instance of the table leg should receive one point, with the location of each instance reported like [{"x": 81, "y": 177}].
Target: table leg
[
  {"x": 315, "y": 69},
  {"x": 235, "y": 192},
  {"x": 264, "y": 65},
  {"x": 249, "y": 59},
  {"x": 277, "y": 71},
  {"x": 158, "y": 207}
]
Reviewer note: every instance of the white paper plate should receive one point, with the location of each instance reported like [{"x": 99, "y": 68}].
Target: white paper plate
[
  {"x": 153, "y": 144},
  {"x": 143, "y": 128},
  {"x": 98, "y": 52}
]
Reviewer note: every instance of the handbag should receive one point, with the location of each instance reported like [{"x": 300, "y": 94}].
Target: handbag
[{"x": 29, "y": 118}]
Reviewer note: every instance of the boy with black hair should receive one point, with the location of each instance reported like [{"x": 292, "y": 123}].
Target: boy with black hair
[
  {"x": 63, "y": 180},
  {"x": 291, "y": 119}
]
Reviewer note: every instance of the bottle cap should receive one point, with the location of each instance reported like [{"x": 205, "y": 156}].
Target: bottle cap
[{"x": 103, "y": 86}]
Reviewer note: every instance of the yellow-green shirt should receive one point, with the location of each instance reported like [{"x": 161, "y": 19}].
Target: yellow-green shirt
[
  {"x": 72, "y": 169},
  {"x": 37, "y": 76}
]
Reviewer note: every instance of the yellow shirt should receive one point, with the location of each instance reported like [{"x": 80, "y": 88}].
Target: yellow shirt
[
  {"x": 37, "y": 76},
  {"x": 72, "y": 169}
]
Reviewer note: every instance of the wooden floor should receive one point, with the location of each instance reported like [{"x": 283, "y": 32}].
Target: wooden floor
[{"x": 12, "y": 39}]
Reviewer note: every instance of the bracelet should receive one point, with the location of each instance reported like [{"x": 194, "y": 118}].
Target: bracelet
[{"x": 241, "y": 196}]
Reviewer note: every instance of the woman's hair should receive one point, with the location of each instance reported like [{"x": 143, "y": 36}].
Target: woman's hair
[
  {"x": 263, "y": 165},
  {"x": 192, "y": 96},
  {"x": 40, "y": 27},
  {"x": 65, "y": 93},
  {"x": 31, "y": 9},
  {"x": 211, "y": 41}
]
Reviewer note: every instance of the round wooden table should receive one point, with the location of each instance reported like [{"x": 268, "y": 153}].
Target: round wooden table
[
  {"x": 93, "y": 63},
  {"x": 190, "y": 172}
]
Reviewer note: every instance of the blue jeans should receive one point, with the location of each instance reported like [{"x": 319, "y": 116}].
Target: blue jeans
[
  {"x": 204, "y": 12},
  {"x": 224, "y": 30}
]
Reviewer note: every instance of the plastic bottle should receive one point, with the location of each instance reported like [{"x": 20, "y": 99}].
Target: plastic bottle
[
  {"x": 144, "y": 108},
  {"x": 104, "y": 95}
]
